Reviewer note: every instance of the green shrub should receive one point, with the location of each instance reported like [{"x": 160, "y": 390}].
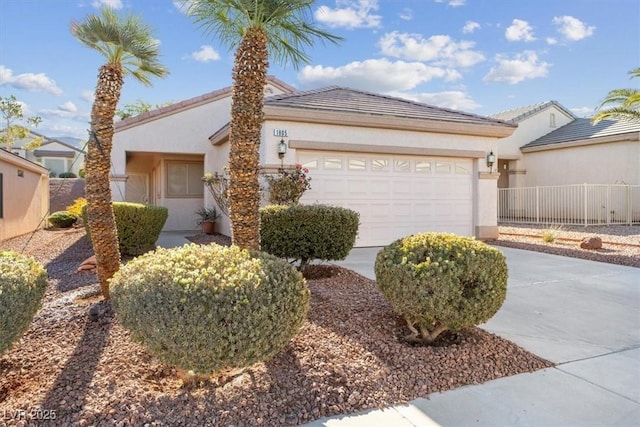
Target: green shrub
[
  {"x": 67, "y": 175},
  {"x": 441, "y": 282},
  {"x": 23, "y": 282},
  {"x": 208, "y": 308},
  {"x": 308, "y": 232},
  {"x": 62, "y": 219},
  {"x": 138, "y": 226}
]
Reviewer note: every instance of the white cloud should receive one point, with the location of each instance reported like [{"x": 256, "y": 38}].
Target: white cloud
[
  {"x": 62, "y": 112},
  {"x": 53, "y": 128},
  {"x": 440, "y": 49},
  {"x": 523, "y": 66},
  {"x": 572, "y": 28},
  {"x": 406, "y": 14},
  {"x": 205, "y": 54},
  {"x": 113, "y": 4},
  {"x": 455, "y": 100},
  {"x": 470, "y": 27},
  {"x": 551, "y": 41},
  {"x": 87, "y": 95},
  {"x": 583, "y": 111},
  {"x": 453, "y": 3},
  {"x": 68, "y": 106},
  {"x": 376, "y": 75},
  {"x": 349, "y": 14},
  {"x": 519, "y": 30},
  {"x": 28, "y": 81}
]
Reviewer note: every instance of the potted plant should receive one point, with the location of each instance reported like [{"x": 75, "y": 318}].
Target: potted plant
[{"x": 207, "y": 218}]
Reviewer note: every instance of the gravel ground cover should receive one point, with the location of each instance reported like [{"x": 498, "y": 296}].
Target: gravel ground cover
[{"x": 348, "y": 357}]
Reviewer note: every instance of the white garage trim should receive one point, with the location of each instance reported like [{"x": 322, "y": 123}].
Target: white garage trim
[
  {"x": 385, "y": 149},
  {"x": 396, "y": 195}
]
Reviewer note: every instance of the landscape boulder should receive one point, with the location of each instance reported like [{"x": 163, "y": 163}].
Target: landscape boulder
[{"x": 591, "y": 243}]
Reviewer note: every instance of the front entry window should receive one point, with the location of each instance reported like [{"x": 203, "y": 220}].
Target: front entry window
[{"x": 184, "y": 179}]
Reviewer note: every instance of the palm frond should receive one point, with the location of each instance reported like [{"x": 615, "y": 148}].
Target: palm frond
[
  {"x": 127, "y": 41},
  {"x": 617, "y": 113},
  {"x": 287, "y": 23}
]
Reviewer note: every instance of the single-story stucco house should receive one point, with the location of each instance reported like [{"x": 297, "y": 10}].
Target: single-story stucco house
[
  {"x": 24, "y": 195},
  {"x": 53, "y": 154},
  {"x": 551, "y": 146},
  {"x": 559, "y": 168},
  {"x": 406, "y": 167}
]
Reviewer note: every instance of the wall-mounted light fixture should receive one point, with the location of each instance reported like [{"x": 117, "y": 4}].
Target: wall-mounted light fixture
[
  {"x": 491, "y": 159},
  {"x": 282, "y": 148}
]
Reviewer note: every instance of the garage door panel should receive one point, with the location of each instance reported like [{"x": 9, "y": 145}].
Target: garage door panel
[{"x": 396, "y": 196}]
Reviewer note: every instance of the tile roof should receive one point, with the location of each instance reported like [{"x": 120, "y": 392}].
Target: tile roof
[
  {"x": 140, "y": 118},
  {"x": 518, "y": 114},
  {"x": 346, "y": 100},
  {"x": 582, "y": 129}
]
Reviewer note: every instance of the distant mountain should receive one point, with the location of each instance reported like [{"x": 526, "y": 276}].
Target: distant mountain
[{"x": 76, "y": 142}]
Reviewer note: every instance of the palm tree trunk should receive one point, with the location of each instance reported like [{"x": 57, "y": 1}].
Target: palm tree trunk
[
  {"x": 101, "y": 221},
  {"x": 247, "y": 116}
]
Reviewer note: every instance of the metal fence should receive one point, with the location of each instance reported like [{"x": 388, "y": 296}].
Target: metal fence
[{"x": 581, "y": 204}]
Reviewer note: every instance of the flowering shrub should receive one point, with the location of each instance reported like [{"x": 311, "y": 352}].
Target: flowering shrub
[
  {"x": 218, "y": 186},
  {"x": 287, "y": 187}
]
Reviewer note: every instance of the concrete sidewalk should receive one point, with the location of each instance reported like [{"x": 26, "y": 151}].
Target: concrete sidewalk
[{"x": 582, "y": 315}]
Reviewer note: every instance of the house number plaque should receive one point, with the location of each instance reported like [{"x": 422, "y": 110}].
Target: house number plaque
[{"x": 280, "y": 132}]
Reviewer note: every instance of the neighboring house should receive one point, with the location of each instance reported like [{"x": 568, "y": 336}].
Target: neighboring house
[
  {"x": 24, "y": 195},
  {"x": 405, "y": 167},
  {"x": 53, "y": 154},
  {"x": 553, "y": 147}
]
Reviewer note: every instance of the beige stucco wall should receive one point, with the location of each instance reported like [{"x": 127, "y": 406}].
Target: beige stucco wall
[
  {"x": 530, "y": 129},
  {"x": 604, "y": 163},
  {"x": 172, "y": 136},
  {"x": 72, "y": 164},
  {"x": 25, "y": 198}
]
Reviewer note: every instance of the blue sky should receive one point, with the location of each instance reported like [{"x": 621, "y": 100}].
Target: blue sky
[{"x": 479, "y": 56}]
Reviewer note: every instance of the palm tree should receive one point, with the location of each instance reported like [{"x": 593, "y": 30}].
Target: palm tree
[
  {"x": 129, "y": 48},
  {"x": 627, "y": 100},
  {"x": 257, "y": 29}
]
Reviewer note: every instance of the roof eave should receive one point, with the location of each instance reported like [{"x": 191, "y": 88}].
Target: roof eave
[
  {"x": 495, "y": 130},
  {"x": 630, "y": 136}
]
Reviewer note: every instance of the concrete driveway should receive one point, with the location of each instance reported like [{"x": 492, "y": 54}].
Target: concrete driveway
[{"x": 582, "y": 315}]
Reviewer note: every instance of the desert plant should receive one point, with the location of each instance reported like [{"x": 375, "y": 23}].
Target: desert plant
[
  {"x": 23, "y": 282},
  {"x": 218, "y": 186},
  {"x": 67, "y": 175},
  {"x": 76, "y": 207},
  {"x": 206, "y": 215},
  {"x": 62, "y": 219},
  {"x": 129, "y": 48},
  {"x": 307, "y": 232},
  {"x": 286, "y": 187},
  {"x": 260, "y": 32},
  {"x": 138, "y": 226},
  {"x": 209, "y": 308},
  {"x": 440, "y": 282},
  {"x": 551, "y": 234}
]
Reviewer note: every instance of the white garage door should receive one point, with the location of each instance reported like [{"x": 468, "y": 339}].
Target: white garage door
[{"x": 396, "y": 196}]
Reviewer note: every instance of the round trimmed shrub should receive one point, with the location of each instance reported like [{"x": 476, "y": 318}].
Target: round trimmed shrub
[
  {"x": 308, "y": 232},
  {"x": 440, "y": 282},
  {"x": 138, "y": 226},
  {"x": 23, "y": 282},
  {"x": 207, "y": 308},
  {"x": 62, "y": 219}
]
